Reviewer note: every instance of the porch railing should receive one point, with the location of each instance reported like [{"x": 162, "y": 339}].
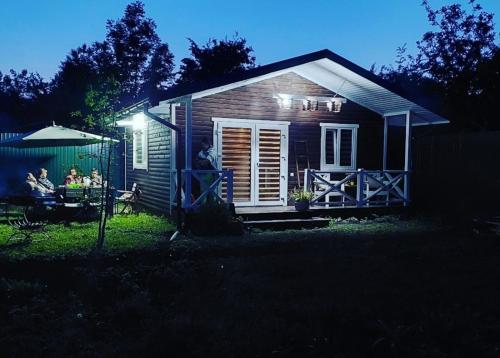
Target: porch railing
[
  {"x": 214, "y": 185},
  {"x": 358, "y": 188}
]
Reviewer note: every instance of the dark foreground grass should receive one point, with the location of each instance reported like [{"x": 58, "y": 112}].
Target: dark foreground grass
[{"x": 404, "y": 289}]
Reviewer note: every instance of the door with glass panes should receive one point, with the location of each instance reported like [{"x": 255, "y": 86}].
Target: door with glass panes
[{"x": 257, "y": 151}]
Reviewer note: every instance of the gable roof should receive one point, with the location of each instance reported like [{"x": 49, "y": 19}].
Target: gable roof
[{"x": 330, "y": 71}]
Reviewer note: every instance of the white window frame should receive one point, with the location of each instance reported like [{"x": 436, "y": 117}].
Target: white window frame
[
  {"x": 354, "y": 147},
  {"x": 144, "y": 164}
]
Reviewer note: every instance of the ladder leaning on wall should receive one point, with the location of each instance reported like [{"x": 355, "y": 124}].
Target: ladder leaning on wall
[{"x": 301, "y": 160}]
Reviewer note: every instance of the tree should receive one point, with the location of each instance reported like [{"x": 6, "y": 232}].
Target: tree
[
  {"x": 132, "y": 55},
  {"x": 158, "y": 75},
  {"x": 138, "y": 52},
  {"x": 216, "y": 58},
  {"x": 456, "y": 61},
  {"x": 102, "y": 101},
  {"x": 22, "y": 96}
]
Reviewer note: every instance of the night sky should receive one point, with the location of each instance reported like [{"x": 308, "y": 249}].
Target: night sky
[{"x": 37, "y": 35}]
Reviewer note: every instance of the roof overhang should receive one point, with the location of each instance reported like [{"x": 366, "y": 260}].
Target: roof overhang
[{"x": 337, "y": 75}]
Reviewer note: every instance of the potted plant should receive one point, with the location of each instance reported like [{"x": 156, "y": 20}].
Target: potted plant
[{"x": 301, "y": 199}]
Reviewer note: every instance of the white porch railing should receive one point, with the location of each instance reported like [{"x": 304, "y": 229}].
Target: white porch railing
[
  {"x": 359, "y": 188},
  {"x": 210, "y": 183}
]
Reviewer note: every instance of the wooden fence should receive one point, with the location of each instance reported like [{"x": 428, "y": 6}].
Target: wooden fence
[{"x": 457, "y": 173}]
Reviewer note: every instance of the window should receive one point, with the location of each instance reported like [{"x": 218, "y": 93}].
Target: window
[
  {"x": 338, "y": 146},
  {"x": 140, "y": 148}
]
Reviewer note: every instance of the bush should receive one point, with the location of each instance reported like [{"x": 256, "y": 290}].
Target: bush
[{"x": 214, "y": 219}]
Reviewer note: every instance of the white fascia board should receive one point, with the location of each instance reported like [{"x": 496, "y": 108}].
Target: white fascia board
[
  {"x": 244, "y": 120},
  {"x": 431, "y": 123},
  {"x": 124, "y": 123},
  {"x": 161, "y": 109}
]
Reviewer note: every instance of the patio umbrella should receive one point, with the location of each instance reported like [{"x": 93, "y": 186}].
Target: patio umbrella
[{"x": 53, "y": 136}]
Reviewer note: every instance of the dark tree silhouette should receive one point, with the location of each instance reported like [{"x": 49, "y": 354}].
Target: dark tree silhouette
[
  {"x": 22, "y": 99},
  {"x": 132, "y": 55},
  {"x": 458, "y": 61},
  {"x": 216, "y": 58}
]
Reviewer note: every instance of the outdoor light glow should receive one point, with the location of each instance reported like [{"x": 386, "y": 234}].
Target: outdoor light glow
[
  {"x": 138, "y": 121},
  {"x": 284, "y": 101},
  {"x": 329, "y": 105}
]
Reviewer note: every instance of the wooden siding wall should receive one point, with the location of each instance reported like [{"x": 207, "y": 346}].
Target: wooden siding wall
[
  {"x": 155, "y": 181},
  {"x": 255, "y": 101},
  {"x": 457, "y": 173},
  {"x": 15, "y": 163}
]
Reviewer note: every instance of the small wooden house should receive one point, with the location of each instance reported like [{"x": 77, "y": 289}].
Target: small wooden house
[{"x": 316, "y": 122}]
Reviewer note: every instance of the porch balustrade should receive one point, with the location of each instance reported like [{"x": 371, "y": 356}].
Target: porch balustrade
[
  {"x": 360, "y": 188},
  {"x": 212, "y": 184}
]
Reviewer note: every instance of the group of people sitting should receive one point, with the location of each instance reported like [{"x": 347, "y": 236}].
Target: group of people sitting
[{"x": 42, "y": 186}]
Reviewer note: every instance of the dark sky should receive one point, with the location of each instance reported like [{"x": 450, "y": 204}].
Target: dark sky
[{"x": 38, "y": 34}]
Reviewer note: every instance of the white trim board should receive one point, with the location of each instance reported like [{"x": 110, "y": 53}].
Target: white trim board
[{"x": 245, "y": 120}]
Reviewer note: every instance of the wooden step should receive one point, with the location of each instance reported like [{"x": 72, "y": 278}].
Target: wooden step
[{"x": 282, "y": 224}]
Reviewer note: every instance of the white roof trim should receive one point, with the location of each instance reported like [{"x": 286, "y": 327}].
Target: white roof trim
[{"x": 245, "y": 120}]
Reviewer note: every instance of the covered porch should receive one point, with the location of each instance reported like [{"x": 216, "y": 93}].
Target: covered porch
[{"x": 321, "y": 98}]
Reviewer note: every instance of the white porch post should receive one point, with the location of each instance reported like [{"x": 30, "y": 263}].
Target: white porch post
[
  {"x": 188, "y": 151},
  {"x": 386, "y": 129},
  {"x": 407, "y": 156},
  {"x": 189, "y": 134}
]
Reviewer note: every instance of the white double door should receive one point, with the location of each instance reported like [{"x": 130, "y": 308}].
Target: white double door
[{"x": 257, "y": 151}]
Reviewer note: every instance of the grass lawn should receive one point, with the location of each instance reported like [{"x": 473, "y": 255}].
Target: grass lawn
[
  {"x": 407, "y": 288},
  {"x": 124, "y": 233}
]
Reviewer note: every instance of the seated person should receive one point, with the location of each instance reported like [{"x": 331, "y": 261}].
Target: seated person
[
  {"x": 34, "y": 188},
  {"x": 43, "y": 180},
  {"x": 72, "y": 178},
  {"x": 95, "y": 178}
]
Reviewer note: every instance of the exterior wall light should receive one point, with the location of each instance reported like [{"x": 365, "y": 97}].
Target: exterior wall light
[{"x": 138, "y": 121}]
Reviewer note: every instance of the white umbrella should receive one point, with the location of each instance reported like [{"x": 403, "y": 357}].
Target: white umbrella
[{"x": 53, "y": 136}]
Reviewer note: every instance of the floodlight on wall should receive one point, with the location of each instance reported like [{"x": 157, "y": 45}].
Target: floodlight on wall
[
  {"x": 335, "y": 105},
  {"x": 284, "y": 101},
  {"x": 138, "y": 121},
  {"x": 310, "y": 103}
]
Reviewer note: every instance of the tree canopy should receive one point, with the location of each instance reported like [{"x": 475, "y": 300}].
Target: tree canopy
[
  {"x": 216, "y": 58},
  {"x": 458, "y": 61}
]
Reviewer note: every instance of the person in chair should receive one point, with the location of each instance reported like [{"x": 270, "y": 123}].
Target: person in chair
[
  {"x": 95, "y": 178},
  {"x": 72, "y": 177},
  {"x": 34, "y": 188},
  {"x": 43, "y": 180}
]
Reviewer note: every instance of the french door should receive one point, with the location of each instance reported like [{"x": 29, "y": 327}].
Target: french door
[{"x": 257, "y": 151}]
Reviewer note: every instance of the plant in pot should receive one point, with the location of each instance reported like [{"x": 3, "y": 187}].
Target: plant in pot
[{"x": 301, "y": 199}]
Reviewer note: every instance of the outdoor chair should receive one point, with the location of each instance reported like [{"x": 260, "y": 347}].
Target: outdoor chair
[
  {"x": 319, "y": 188},
  {"x": 129, "y": 199},
  {"x": 372, "y": 186},
  {"x": 24, "y": 227}
]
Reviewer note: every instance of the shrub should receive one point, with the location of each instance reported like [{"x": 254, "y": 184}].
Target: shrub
[
  {"x": 298, "y": 195},
  {"x": 214, "y": 219}
]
